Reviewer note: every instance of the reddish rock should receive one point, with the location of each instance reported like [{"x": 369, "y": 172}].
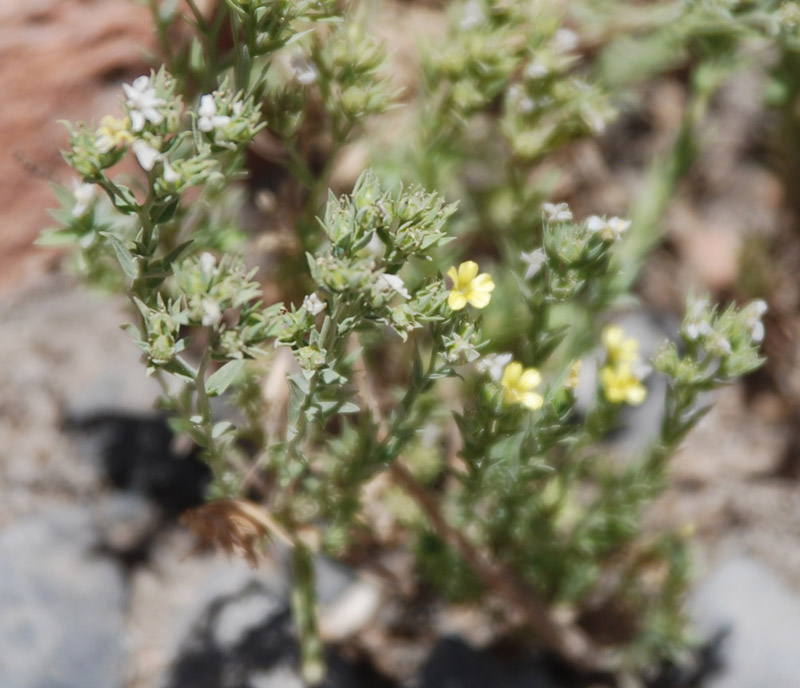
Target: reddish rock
[{"x": 61, "y": 59}]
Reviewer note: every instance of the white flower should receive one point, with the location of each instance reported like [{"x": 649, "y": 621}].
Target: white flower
[
  {"x": 716, "y": 344},
  {"x": 145, "y": 154},
  {"x": 208, "y": 119},
  {"x": 564, "y": 41},
  {"x": 211, "y": 313},
  {"x": 524, "y": 102},
  {"x": 534, "y": 260},
  {"x": 84, "y": 195},
  {"x": 143, "y": 103},
  {"x": 393, "y": 283},
  {"x": 375, "y": 247},
  {"x": 494, "y": 365},
  {"x": 536, "y": 70},
  {"x": 304, "y": 72},
  {"x": 696, "y": 324},
  {"x": 557, "y": 212},
  {"x": 753, "y": 313},
  {"x": 171, "y": 176},
  {"x": 461, "y": 350},
  {"x": 313, "y": 304},
  {"x": 609, "y": 230},
  {"x": 472, "y": 16},
  {"x": 208, "y": 264}
]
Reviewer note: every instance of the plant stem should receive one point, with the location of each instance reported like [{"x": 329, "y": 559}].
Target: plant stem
[{"x": 555, "y": 634}]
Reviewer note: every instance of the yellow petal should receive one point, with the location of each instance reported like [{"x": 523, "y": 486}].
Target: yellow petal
[
  {"x": 456, "y": 300},
  {"x": 483, "y": 282},
  {"x": 467, "y": 272},
  {"x": 612, "y": 336},
  {"x": 479, "y": 299},
  {"x": 530, "y": 378},
  {"x": 511, "y": 374},
  {"x": 532, "y": 400},
  {"x": 453, "y": 275},
  {"x": 607, "y": 376},
  {"x": 635, "y": 394}
]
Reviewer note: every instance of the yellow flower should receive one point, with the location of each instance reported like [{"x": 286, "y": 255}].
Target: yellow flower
[
  {"x": 620, "y": 385},
  {"x": 517, "y": 384},
  {"x": 469, "y": 286},
  {"x": 113, "y": 133},
  {"x": 620, "y": 350}
]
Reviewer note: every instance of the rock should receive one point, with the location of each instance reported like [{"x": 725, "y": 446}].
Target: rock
[
  {"x": 723, "y": 445},
  {"x": 126, "y": 523},
  {"x": 62, "y": 624},
  {"x": 454, "y": 664},
  {"x": 332, "y": 579},
  {"x": 61, "y": 354},
  {"x": 350, "y": 612},
  {"x": 244, "y": 637},
  {"x": 69, "y": 59},
  {"x": 762, "y": 616},
  {"x": 136, "y": 454}
]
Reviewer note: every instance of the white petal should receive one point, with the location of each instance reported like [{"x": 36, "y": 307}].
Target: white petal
[
  {"x": 145, "y": 154},
  {"x": 596, "y": 224},
  {"x": 534, "y": 260},
  {"x": 212, "y": 313},
  {"x": 565, "y": 40},
  {"x": 313, "y": 304},
  {"x": 141, "y": 83},
  {"x": 395, "y": 283},
  {"x": 152, "y": 115},
  {"x": 536, "y": 70},
  {"x": 208, "y": 263},
  {"x": 170, "y": 175},
  {"x": 137, "y": 120},
  {"x": 208, "y": 106}
]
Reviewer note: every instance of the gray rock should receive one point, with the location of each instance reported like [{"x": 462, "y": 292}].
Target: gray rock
[
  {"x": 62, "y": 619},
  {"x": 126, "y": 521},
  {"x": 455, "y": 664},
  {"x": 762, "y": 616},
  {"x": 245, "y": 639},
  {"x": 332, "y": 579}
]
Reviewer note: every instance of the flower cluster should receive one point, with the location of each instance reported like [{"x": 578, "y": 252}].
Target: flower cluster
[{"x": 622, "y": 373}]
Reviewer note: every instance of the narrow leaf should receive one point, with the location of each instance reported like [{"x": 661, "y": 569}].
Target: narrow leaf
[
  {"x": 126, "y": 260},
  {"x": 221, "y": 380}
]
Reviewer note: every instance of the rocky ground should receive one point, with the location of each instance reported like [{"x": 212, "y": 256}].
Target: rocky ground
[{"x": 102, "y": 588}]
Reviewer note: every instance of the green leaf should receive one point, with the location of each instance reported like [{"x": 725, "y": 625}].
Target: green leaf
[
  {"x": 221, "y": 380},
  {"x": 164, "y": 213},
  {"x": 126, "y": 260},
  {"x": 59, "y": 237},
  {"x": 330, "y": 377}
]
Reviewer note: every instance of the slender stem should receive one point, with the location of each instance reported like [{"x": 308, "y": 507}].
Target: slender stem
[
  {"x": 198, "y": 17},
  {"x": 554, "y": 633}
]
